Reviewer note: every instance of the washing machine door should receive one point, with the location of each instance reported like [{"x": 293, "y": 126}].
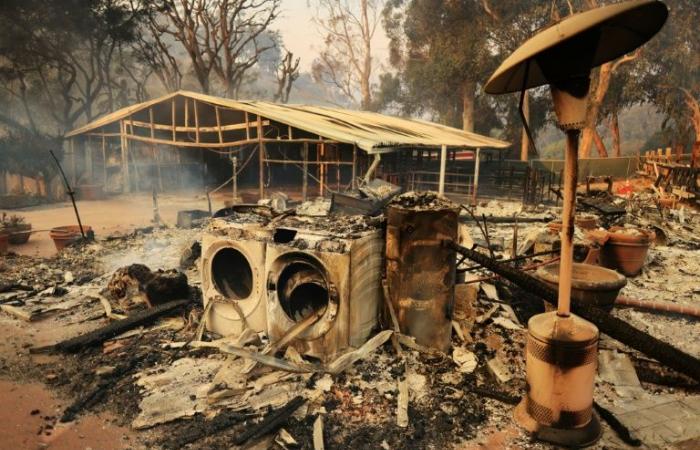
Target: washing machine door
[
  {"x": 232, "y": 282},
  {"x": 299, "y": 286}
]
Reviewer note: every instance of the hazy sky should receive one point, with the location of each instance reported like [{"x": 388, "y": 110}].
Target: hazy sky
[{"x": 301, "y": 35}]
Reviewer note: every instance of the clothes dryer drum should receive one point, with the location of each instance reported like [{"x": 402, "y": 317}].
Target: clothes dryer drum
[{"x": 339, "y": 278}]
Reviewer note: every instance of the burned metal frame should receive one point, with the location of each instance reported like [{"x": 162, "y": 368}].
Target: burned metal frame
[
  {"x": 256, "y": 131},
  {"x": 187, "y": 120}
]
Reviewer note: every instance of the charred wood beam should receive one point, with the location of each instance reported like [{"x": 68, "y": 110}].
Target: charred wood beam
[
  {"x": 272, "y": 422},
  {"x": 516, "y": 259},
  {"x": 191, "y": 434},
  {"x": 495, "y": 394},
  {"x": 499, "y": 219},
  {"x": 612, "y": 326},
  {"x": 14, "y": 287},
  {"x": 102, "y": 334},
  {"x": 651, "y": 372}
]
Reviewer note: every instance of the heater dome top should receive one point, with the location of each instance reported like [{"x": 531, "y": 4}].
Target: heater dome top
[{"x": 572, "y": 47}]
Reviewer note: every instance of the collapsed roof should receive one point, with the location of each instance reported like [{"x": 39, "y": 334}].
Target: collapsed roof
[{"x": 159, "y": 121}]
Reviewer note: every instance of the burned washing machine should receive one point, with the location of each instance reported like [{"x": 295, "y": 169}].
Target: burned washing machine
[
  {"x": 334, "y": 275},
  {"x": 233, "y": 272}
]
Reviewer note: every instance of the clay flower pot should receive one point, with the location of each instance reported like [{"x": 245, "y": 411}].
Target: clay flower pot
[
  {"x": 626, "y": 250},
  {"x": 590, "y": 285},
  {"x": 62, "y": 236},
  {"x": 667, "y": 202},
  {"x": 19, "y": 234}
]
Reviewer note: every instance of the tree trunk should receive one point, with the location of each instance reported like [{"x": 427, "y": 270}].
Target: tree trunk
[
  {"x": 694, "y": 107},
  {"x": 468, "y": 95},
  {"x": 599, "y": 88},
  {"x": 600, "y": 145},
  {"x": 365, "y": 76},
  {"x": 615, "y": 132},
  {"x": 524, "y": 140}
]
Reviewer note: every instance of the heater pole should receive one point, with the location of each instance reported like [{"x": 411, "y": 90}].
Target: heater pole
[{"x": 567, "y": 229}]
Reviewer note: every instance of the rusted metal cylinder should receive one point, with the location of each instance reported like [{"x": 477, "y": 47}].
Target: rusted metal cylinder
[
  {"x": 561, "y": 362},
  {"x": 421, "y": 272}
]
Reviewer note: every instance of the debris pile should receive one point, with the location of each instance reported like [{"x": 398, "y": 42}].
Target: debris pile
[{"x": 136, "y": 342}]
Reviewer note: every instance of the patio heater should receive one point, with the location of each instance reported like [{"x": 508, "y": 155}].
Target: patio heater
[{"x": 561, "y": 353}]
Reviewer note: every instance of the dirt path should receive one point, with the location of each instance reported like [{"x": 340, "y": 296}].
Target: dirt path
[
  {"x": 29, "y": 420},
  {"x": 30, "y": 411},
  {"x": 116, "y": 214}
]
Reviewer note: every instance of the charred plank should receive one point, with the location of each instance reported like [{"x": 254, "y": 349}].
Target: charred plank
[
  {"x": 100, "y": 335},
  {"x": 612, "y": 326}
]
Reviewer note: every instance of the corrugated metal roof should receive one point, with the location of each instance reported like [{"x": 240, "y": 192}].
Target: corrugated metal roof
[{"x": 372, "y": 132}]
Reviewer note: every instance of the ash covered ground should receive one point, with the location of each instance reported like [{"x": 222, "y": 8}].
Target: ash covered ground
[{"x": 458, "y": 400}]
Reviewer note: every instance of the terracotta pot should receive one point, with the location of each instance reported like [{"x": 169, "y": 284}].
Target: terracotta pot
[
  {"x": 667, "y": 202},
  {"x": 4, "y": 241},
  {"x": 586, "y": 222},
  {"x": 62, "y": 236},
  {"x": 591, "y": 285},
  {"x": 90, "y": 192},
  {"x": 626, "y": 252},
  {"x": 19, "y": 234}
]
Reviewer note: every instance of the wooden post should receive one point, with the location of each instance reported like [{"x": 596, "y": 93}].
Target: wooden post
[
  {"x": 443, "y": 168},
  {"x": 126, "y": 179},
  {"x": 104, "y": 162},
  {"x": 88, "y": 159},
  {"x": 156, "y": 155},
  {"x": 218, "y": 124},
  {"x": 354, "y": 168},
  {"x": 234, "y": 180},
  {"x": 173, "y": 114},
  {"x": 261, "y": 157},
  {"x": 196, "y": 121},
  {"x": 477, "y": 163},
  {"x": 137, "y": 173},
  {"x": 321, "y": 168},
  {"x": 203, "y": 172},
  {"x": 337, "y": 168},
  {"x": 187, "y": 112},
  {"x": 305, "y": 181},
  {"x": 178, "y": 152},
  {"x": 247, "y": 128}
]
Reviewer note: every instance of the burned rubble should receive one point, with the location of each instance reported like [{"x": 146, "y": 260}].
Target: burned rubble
[
  {"x": 187, "y": 385},
  {"x": 213, "y": 272}
]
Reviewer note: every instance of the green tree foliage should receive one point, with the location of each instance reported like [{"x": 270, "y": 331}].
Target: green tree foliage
[
  {"x": 443, "y": 52},
  {"x": 61, "y": 57},
  {"x": 670, "y": 72}
]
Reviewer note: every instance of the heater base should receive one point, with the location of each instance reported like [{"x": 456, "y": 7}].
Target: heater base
[{"x": 566, "y": 437}]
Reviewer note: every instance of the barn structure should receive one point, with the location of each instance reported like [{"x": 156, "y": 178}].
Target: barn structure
[{"x": 186, "y": 139}]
